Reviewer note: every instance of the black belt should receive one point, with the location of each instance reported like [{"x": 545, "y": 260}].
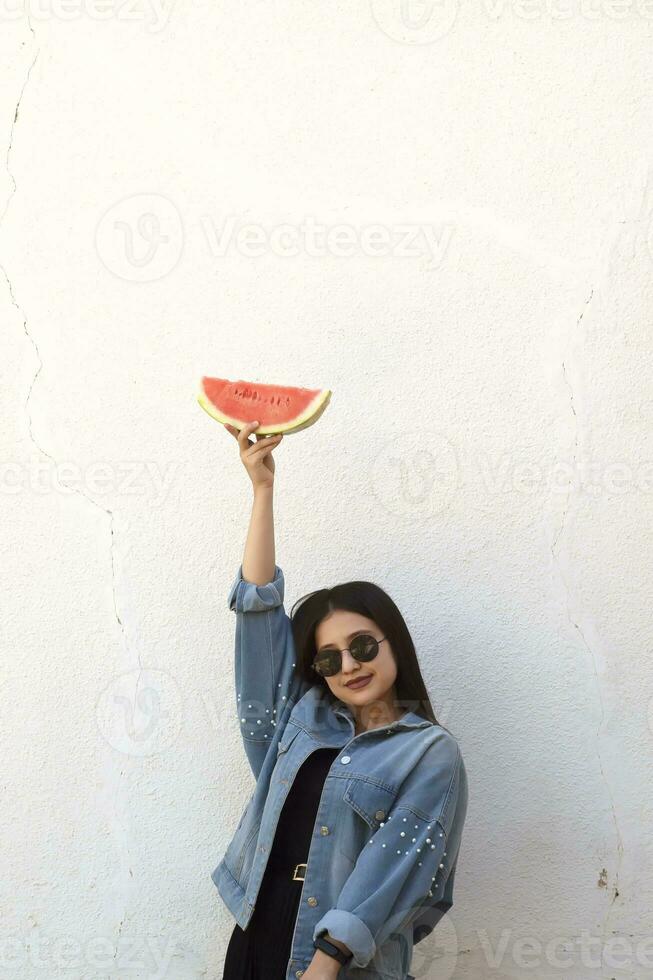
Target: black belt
[{"x": 296, "y": 872}]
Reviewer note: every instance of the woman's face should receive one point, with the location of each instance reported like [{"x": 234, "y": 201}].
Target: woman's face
[{"x": 336, "y": 630}]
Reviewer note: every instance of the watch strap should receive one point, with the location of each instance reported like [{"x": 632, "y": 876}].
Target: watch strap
[{"x": 331, "y": 950}]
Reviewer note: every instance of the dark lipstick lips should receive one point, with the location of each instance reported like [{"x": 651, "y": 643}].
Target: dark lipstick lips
[{"x": 357, "y": 679}]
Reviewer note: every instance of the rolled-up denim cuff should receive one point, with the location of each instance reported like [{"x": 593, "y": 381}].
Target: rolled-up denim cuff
[
  {"x": 248, "y": 597},
  {"x": 351, "y": 931}
]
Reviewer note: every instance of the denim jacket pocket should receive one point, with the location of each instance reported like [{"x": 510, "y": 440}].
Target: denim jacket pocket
[
  {"x": 239, "y": 847},
  {"x": 368, "y": 803},
  {"x": 371, "y": 800}
]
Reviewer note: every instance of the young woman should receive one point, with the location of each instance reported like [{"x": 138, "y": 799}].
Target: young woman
[{"x": 345, "y": 855}]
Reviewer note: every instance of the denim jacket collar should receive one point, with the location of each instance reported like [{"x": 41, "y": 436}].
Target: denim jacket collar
[
  {"x": 408, "y": 720},
  {"x": 316, "y": 697}
]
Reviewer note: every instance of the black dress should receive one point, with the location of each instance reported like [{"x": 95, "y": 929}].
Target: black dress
[{"x": 262, "y": 950}]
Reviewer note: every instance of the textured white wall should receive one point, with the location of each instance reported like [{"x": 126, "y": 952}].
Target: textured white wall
[{"x": 192, "y": 189}]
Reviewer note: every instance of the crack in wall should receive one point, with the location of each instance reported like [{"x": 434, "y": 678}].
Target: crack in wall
[
  {"x": 588, "y": 647},
  {"x": 38, "y": 371},
  {"x": 11, "y": 137},
  {"x": 573, "y": 409},
  {"x": 29, "y": 22},
  {"x": 26, "y": 410}
]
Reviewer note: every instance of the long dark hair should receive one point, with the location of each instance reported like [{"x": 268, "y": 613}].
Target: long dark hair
[{"x": 372, "y": 601}]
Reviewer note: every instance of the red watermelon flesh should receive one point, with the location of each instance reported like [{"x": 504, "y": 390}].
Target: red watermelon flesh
[{"x": 278, "y": 408}]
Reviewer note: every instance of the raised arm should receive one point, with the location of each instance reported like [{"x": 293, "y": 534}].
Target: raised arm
[{"x": 264, "y": 663}]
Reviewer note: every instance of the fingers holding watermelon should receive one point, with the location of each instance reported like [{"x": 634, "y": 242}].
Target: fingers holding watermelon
[{"x": 256, "y": 456}]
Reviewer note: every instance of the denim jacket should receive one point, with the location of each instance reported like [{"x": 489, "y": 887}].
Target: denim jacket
[{"x": 382, "y": 858}]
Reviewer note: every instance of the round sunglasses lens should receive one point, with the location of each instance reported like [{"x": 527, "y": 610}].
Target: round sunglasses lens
[
  {"x": 364, "y": 647},
  {"x": 326, "y": 665}
]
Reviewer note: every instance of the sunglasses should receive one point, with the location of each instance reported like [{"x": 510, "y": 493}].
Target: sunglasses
[{"x": 363, "y": 648}]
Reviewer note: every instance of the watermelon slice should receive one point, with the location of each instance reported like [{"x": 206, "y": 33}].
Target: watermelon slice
[{"x": 278, "y": 408}]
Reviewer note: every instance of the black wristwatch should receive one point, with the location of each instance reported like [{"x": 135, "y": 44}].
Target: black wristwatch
[{"x": 327, "y": 947}]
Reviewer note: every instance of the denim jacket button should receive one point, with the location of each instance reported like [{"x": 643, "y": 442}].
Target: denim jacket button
[
  {"x": 299, "y": 973},
  {"x": 324, "y": 831},
  {"x": 345, "y": 759},
  {"x": 312, "y": 900},
  {"x": 379, "y": 814}
]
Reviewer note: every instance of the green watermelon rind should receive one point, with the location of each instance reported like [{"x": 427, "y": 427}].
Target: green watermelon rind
[{"x": 308, "y": 417}]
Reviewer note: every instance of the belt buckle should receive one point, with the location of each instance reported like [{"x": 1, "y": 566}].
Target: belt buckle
[{"x": 297, "y": 877}]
